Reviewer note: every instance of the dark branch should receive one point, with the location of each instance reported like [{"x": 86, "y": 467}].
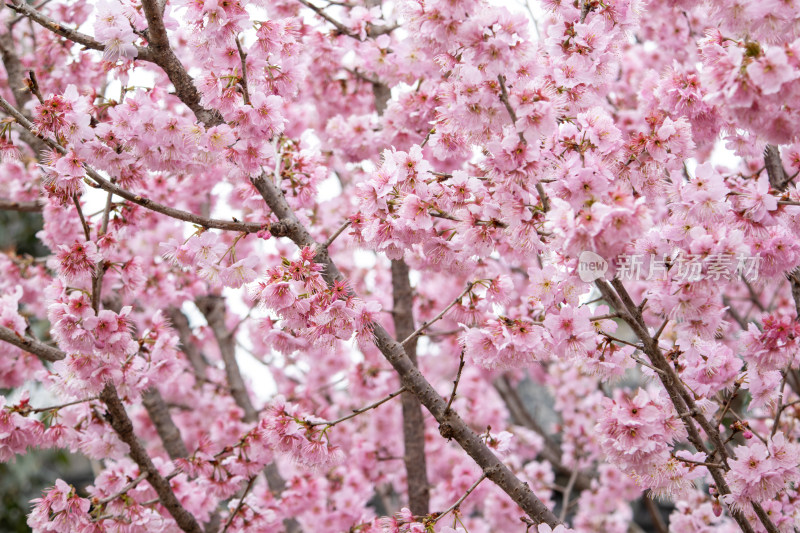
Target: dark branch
[
  {"x": 124, "y": 429},
  {"x": 39, "y": 349},
  {"x": 73, "y": 35},
  {"x": 162, "y": 55}
]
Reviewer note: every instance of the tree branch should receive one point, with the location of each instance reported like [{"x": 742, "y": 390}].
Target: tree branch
[
  {"x": 73, "y": 35},
  {"x": 213, "y": 308},
  {"x": 413, "y": 421},
  {"x": 451, "y": 425},
  {"x": 167, "y": 431},
  {"x": 193, "y": 354},
  {"x": 458, "y": 502},
  {"x": 681, "y": 399},
  {"x": 520, "y": 416},
  {"x": 22, "y": 207},
  {"x": 37, "y": 348},
  {"x": 361, "y": 410},
  {"x": 429, "y": 323},
  {"x": 124, "y": 428},
  {"x": 163, "y": 56}
]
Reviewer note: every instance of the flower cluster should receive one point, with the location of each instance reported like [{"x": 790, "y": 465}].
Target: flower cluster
[
  {"x": 637, "y": 433},
  {"x": 290, "y": 432},
  {"x": 297, "y": 291},
  {"x": 760, "y": 471}
]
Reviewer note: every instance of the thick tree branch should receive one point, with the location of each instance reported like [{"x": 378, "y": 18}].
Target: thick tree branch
[
  {"x": 39, "y": 349},
  {"x": 163, "y": 56},
  {"x": 413, "y": 421},
  {"x": 124, "y": 429},
  {"x": 778, "y": 179},
  {"x": 165, "y": 427}
]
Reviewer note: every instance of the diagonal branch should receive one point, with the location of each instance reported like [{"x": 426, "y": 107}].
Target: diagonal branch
[
  {"x": 193, "y": 354},
  {"x": 451, "y": 425},
  {"x": 37, "y": 348},
  {"x": 123, "y": 427},
  {"x": 162, "y": 55},
  {"x": 681, "y": 398},
  {"x": 68, "y": 33},
  {"x": 551, "y": 452},
  {"x": 429, "y": 323},
  {"x": 167, "y": 431},
  {"x": 213, "y": 308}
]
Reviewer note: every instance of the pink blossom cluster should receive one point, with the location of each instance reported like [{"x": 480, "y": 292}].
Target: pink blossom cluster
[
  {"x": 760, "y": 471},
  {"x": 636, "y": 435},
  {"x": 298, "y": 293}
]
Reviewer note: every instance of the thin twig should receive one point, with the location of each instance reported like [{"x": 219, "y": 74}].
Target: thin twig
[
  {"x": 341, "y": 28},
  {"x": 357, "y": 412},
  {"x": 661, "y": 329},
  {"x": 243, "y": 57},
  {"x": 698, "y": 463},
  {"x": 455, "y": 382},
  {"x": 737, "y": 385},
  {"x": 604, "y": 317},
  {"x": 61, "y": 406},
  {"x": 458, "y": 503},
  {"x": 240, "y": 505},
  {"x": 781, "y": 407},
  {"x": 336, "y": 234},
  {"x": 85, "y": 226},
  {"x": 615, "y": 339},
  {"x": 141, "y": 477},
  {"x": 426, "y": 325},
  {"x": 567, "y": 492},
  {"x": 511, "y": 113}
]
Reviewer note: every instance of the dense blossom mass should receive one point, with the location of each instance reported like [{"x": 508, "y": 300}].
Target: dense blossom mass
[{"x": 307, "y": 258}]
